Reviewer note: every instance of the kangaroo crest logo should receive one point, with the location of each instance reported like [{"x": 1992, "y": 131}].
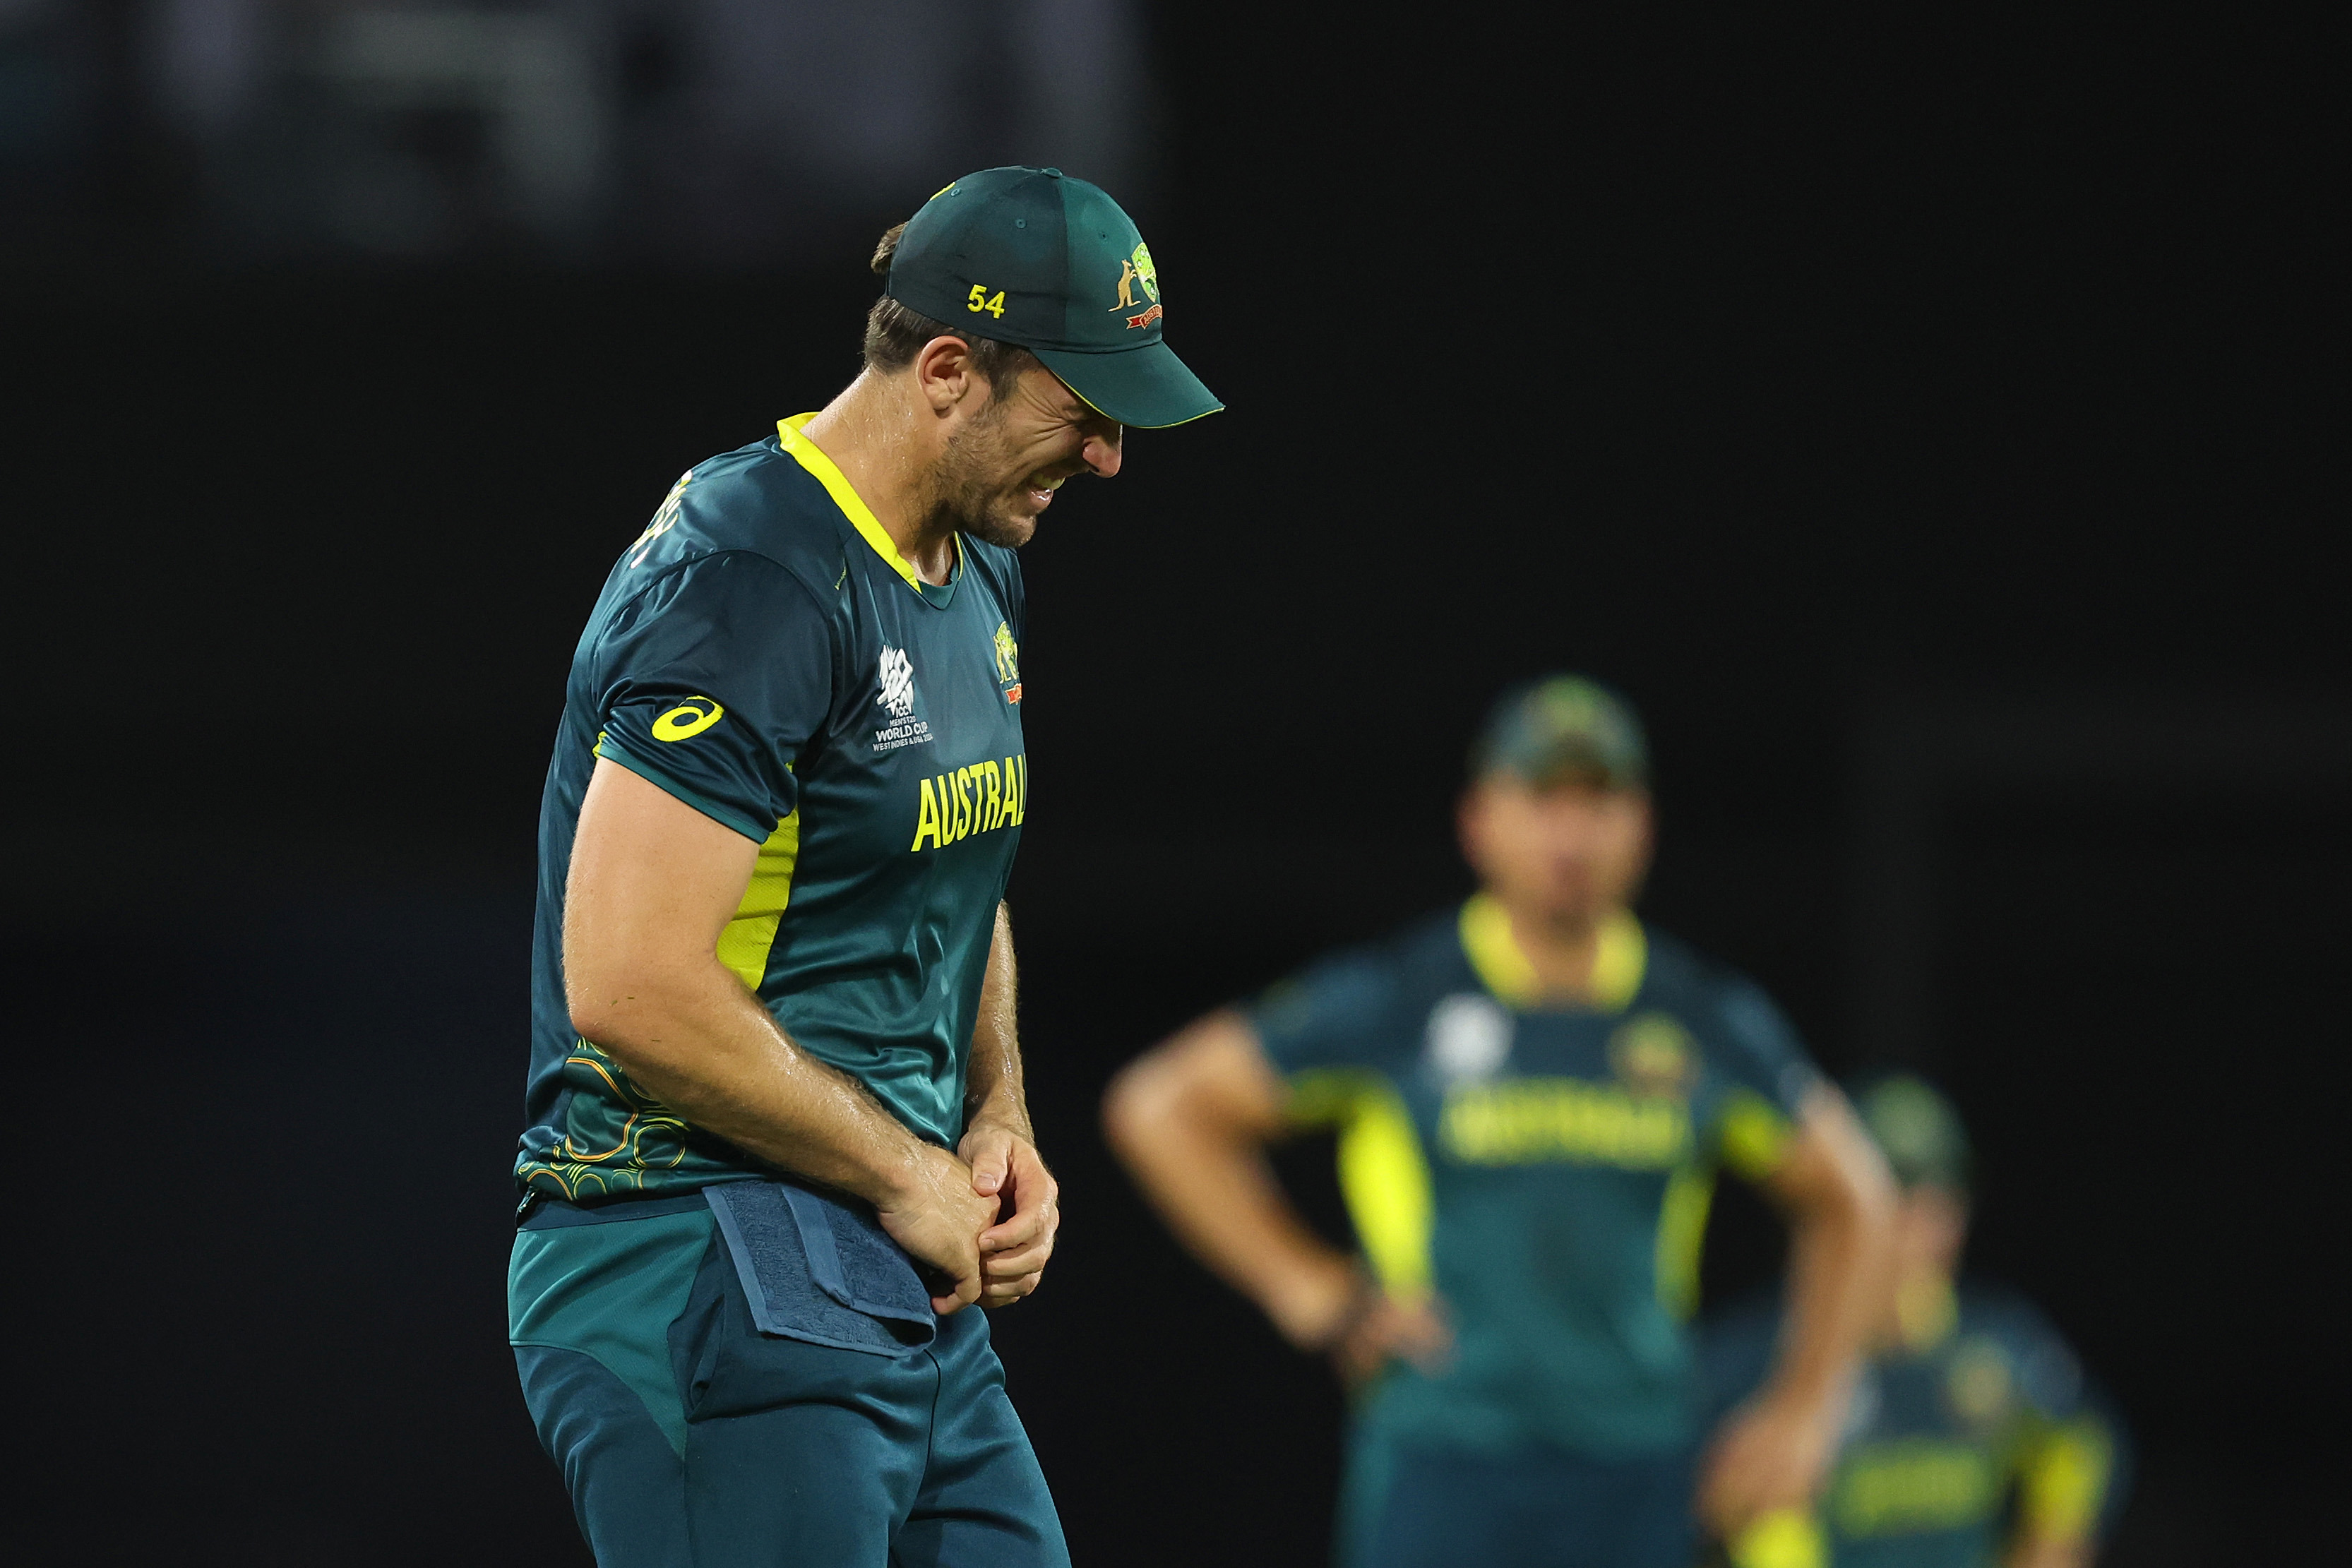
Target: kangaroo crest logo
[
  {"x": 897, "y": 682},
  {"x": 1654, "y": 1054},
  {"x": 1008, "y": 653},
  {"x": 1136, "y": 268}
]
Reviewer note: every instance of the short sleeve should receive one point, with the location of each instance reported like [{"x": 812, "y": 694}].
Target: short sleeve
[
  {"x": 1760, "y": 1051},
  {"x": 2049, "y": 1377},
  {"x": 1333, "y": 1015},
  {"x": 1765, "y": 1075},
  {"x": 2073, "y": 1459},
  {"x": 711, "y": 683}
]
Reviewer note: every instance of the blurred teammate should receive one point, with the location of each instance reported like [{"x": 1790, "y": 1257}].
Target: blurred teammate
[
  {"x": 1534, "y": 1092},
  {"x": 1970, "y": 1423},
  {"x": 776, "y": 831}
]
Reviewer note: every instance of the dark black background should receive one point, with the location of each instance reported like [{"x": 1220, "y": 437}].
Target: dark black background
[{"x": 1791, "y": 371}]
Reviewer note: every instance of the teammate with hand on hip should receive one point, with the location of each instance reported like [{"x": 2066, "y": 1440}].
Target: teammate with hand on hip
[{"x": 1534, "y": 1091}]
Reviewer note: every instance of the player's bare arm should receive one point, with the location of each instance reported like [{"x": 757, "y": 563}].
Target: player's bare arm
[
  {"x": 1191, "y": 1119},
  {"x": 1833, "y": 1188},
  {"x": 652, "y": 884},
  {"x": 999, "y": 1142}
]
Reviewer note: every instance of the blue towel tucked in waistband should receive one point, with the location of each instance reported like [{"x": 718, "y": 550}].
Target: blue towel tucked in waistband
[{"x": 814, "y": 1268}]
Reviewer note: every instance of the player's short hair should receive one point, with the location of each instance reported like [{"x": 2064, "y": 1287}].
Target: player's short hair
[{"x": 895, "y": 334}]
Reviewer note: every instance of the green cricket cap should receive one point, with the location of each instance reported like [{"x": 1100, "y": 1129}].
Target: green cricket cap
[
  {"x": 1917, "y": 1129},
  {"x": 1036, "y": 257},
  {"x": 1564, "y": 729}
]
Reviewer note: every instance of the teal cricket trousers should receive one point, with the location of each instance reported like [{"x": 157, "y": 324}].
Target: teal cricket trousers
[{"x": 689, "y": 1438}]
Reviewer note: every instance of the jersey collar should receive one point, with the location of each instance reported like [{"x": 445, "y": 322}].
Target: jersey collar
[
  {"x": 811, "y": 456},
  {"x": 1622, "y": 956}
]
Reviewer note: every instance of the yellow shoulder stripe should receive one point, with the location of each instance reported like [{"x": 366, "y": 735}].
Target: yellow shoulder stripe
[{"x": 809, "y": 455}]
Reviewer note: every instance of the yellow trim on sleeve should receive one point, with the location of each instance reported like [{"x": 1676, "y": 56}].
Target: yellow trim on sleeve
[
  {"x": 2063, "y": 1481},
  {"x": 751, "y": 933},
  {"x": 811, "y": 456},
  {"x": 1383, "y": 1176},
  {"x": 1620, "y": 957}
]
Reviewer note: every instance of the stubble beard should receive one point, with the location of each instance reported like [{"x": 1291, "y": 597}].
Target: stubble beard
[{"x": 969, "y": 492}]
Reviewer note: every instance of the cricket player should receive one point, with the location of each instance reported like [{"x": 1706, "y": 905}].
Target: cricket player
[
  {"x": 1534, "y": 1092},
  {"x": 776, "y": 1142},
  {"x": 1972, "y": 1439}
]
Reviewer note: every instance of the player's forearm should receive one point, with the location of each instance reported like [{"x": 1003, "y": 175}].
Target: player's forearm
[
  {"x": 994, "y": 1088},
  {"x": 1223, "y": 1203},
  {"x": 1826, "y": 1315},
  {"x": 1839, "y": 1219},
  {"x": 1205, "y": 1171},
  {"x": 691, "y": 1035}
]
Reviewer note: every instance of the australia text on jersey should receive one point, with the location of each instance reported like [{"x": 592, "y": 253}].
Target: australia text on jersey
[{"x": 975, "y": 800}]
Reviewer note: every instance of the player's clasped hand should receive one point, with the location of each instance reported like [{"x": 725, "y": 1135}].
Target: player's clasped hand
[
  {"x": 938, "y": 1218},
  {"x": 1008, "y": 1172}
]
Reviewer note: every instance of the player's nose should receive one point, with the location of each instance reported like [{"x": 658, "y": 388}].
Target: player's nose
[{"x": 1102, "y": 452}]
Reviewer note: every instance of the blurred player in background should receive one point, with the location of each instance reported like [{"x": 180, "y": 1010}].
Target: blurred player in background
[
  {"x": 1972, "y": 1441},
  {"x": 778, "y": 1138},
  {"x": 1534, "y": 1091}
]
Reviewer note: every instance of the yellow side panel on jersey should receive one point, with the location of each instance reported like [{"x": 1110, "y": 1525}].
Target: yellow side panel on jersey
[
  {"x": 744, "y": 946},
  {"x": 1681, "y": 1232},
  {"x": 1620, "y": 957},
  {"x": 1383, "y": 1174},
  {"x": 2063, "y": 1479},
  {"x": 1754, "y": 1135}
]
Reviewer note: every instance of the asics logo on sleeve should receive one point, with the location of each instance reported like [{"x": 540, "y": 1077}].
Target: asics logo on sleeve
[{"x": 689, "y": 719}]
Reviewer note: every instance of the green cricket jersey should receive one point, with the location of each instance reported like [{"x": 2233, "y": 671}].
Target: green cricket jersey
[
  {"x": 1544, "y": 1170},
  {"x": 1983, "y": 1424},
  {"x": 763, "y": 653}
]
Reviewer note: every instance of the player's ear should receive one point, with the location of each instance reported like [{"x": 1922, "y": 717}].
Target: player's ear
[
  {"x": 1646, "y": 832},
  {"x": 944, "y": 370}
]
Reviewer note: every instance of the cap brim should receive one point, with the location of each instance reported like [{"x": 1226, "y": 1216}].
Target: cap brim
[{"x": 1146, "y": 387}]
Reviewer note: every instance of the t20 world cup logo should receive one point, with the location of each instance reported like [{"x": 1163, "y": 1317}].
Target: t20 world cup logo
[{"x": 897, "y": 682}]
